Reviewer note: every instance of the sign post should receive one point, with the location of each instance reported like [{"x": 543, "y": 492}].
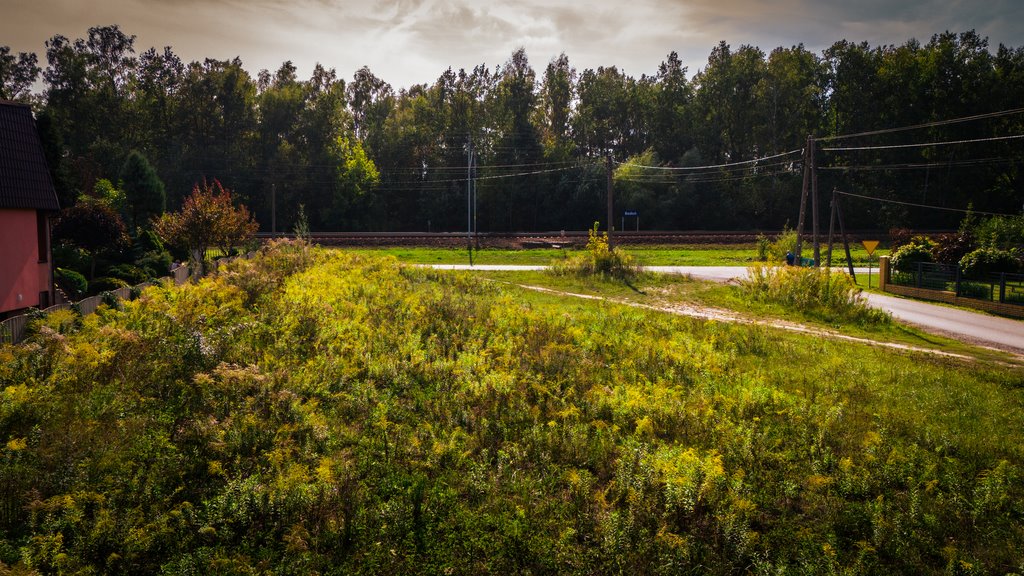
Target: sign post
[
  {"x": 631, "y": 214},
  {"x": 870, "y": 246}
]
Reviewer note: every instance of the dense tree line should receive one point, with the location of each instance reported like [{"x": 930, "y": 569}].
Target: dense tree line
[{"x": 361, "y": 155}]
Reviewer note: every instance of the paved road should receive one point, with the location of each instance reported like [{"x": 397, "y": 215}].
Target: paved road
[{"x": 973, "y": 327}]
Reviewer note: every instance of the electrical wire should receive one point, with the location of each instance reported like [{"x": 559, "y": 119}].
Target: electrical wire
[
  {"x": 693, "y": 168},
  {"x": 923, "y": 145},
  {"x": 919, "y": 166},
  {"x": 500, "y": 176},
  {"x": 926, "y": 125}
]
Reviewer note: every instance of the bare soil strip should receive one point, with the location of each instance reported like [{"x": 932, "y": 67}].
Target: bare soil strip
[{"x": 722, "y": 315}]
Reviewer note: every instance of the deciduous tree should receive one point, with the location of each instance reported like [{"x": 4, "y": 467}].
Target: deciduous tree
[
  {"x": 17, "y": 73},
  {"x": 93, "y": 226},
  {"x": 208, "y": 218}
]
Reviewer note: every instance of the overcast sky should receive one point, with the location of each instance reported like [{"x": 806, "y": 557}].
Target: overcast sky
[{"x": 407, "y": 42}]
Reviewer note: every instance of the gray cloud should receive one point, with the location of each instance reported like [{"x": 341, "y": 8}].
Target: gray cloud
[{"x": 413, "y": 41}]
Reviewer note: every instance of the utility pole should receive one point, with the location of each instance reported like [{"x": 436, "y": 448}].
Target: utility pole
[
  {"x": 476, "y": 231},
  {"x": 469, "y": 199},
  {"x": 273, "y": 209},
  {"x": 814, "y": 201},
  {"x": 831, "y": 227},
  {"x": 846, "y": 242},
  {"x": 803, "y": 202},
  {"x": 611, "y": 212}
]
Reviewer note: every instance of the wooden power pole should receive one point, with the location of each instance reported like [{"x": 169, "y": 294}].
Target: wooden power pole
[
  {"x": 469, "y": 198},
  {"x": 810, "y": 185},
  {"x": 611, "y": 212},
  {"x": 814, "y": 200},
  {"x": 803, "y": 202}
]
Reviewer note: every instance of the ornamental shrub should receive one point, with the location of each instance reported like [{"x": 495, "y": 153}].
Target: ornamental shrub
[
  {"x": 907, "y": 257},
  {"x": 106, "y": 283},
  {"x": 129, "y": 273},
  {"x": 899, "y": 237},
  {"x": 150, "y": 254},
  {"x": 72, "y": 283},
  {"x": 950, "y": 248},
  {"x": 983, "y": 262}
]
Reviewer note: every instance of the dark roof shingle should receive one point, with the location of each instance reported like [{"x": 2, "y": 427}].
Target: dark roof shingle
[{"x": 24, "y": 177}]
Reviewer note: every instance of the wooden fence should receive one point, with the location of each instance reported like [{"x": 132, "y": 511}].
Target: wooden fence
[
  {"x": 998, "y": 293},
  {"x": 12, "y": 330}
]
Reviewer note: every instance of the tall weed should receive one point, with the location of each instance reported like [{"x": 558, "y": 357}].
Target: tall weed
[
  {"x": 597, "y": 260},
  {"x": 817, "y": 293},
  {"x": 776, "y": 250}
]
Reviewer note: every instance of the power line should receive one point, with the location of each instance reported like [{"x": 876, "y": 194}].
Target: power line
[
  {"x": 443, "y": 185},
  {"x": 926, "y": 125},
  {"x": 919, "y": 166},
  {"x": 693, "y": 168},
  {"x": 923, "y": 145},
  {"x": 922, "y": 205},
  {"x": 548, "y": 171},
  {"x": 700, "y": 178},
  {"x": 759, "y": 171}
]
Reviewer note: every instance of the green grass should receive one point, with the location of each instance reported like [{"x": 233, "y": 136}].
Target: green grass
[
  {"x": 938, "y": 405},
  {"x": 697, "y": 255},
  {"x": 864, "y": 279},
  {"x": 668, "y": 289}
]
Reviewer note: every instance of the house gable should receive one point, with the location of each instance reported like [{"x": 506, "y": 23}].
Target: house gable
[
  {"x": 27, "y": 197},
  {"x": 24, "y": 177}
]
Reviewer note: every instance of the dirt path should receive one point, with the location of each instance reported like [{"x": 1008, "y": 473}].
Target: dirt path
[
  {"x": 989, "y": 332},
  {"x": 723, "y": 315}
]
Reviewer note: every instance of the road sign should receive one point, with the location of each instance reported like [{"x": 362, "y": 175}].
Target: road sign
[
  {"x": 630, "y": 213},
  {"x": 870, "y": 246}
]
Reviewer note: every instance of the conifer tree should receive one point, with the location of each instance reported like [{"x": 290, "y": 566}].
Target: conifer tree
[{"x": 144, "y": 191}]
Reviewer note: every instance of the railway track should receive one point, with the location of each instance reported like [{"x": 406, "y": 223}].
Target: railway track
[{"x": 558, "y": 239}]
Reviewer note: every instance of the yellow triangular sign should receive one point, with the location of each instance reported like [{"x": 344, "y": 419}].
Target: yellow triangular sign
[{"x": 870, "y": 246}]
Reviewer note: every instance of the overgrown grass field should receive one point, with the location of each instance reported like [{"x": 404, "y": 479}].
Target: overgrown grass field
[{"x": 325, "y": 412}]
